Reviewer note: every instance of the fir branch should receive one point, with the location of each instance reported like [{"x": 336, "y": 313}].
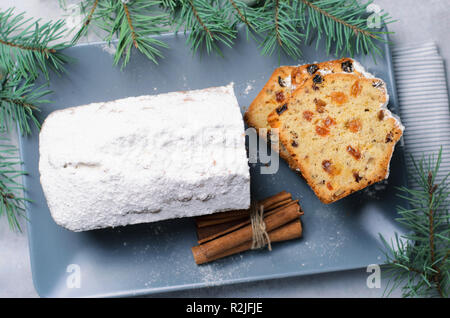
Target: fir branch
[
  {"x": 344, "y": 24},
  {"x": 19, "y": 101},
  {"x": 279, "y": 25},
  {"x": 356, "y": 29},
  {"x": 133, "y": 24},
  {"x": 208, "y": 24},
  {"x": 130, "y": 24},
  {"x": 83, "y": 30},
  {"x": 26, "y": 46},
  {"x": 12, "y": 203},
  {"x": 240, "y": 14},
  {"x": 419, "y": 259},
  {"x": 170, "y": 5},
  {"x": 199, "y": 20}
]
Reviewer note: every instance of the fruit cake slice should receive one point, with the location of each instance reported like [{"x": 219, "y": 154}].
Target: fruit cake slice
[
  {"x": 283, "y": 81},
  {"x": 338, "y": 132}
]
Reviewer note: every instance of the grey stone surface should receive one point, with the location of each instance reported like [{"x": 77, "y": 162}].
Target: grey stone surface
[{"x": 418, "y": 21}]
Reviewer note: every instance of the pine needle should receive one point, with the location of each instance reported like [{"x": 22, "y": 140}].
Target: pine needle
[
  {"x": 12, "y": 204},
  {"x": 26, "y": 45},
  {"x": 343, "y": 24},
  {"x": 418, "y": 261},
  {"x": 19, "y": 101},
  {"x": 206, "y": 24},
  {"x": 132, "y": 23}
]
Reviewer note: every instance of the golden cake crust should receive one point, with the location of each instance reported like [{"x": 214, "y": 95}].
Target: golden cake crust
[
  {"x": 267, "y": 100},
  {"x": 338, "y": 133}
]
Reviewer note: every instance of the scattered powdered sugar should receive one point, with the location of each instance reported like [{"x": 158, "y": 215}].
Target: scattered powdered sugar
[
  {"x": 325, "y": 71},
  {"x": 249, "y": 87},
  {"x": 109, "y": 48}
]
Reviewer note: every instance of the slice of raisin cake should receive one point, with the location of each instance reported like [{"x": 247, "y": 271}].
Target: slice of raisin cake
[
  {"x": 283, "y": 81},
  {"x": 339, "y": 133}
]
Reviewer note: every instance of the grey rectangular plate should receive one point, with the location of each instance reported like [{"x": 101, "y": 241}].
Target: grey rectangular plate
[{"x": 151, "y": 258}]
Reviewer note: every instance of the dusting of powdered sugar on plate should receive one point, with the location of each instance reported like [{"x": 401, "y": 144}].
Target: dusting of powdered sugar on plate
[
  {"x": 109, "y": 48},
  {"x": 249, "y": 87}
]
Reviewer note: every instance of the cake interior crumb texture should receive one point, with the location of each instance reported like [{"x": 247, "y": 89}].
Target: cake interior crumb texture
[
  {"x": 339, "y": 133},
  {"x": 145, "y": 159}
]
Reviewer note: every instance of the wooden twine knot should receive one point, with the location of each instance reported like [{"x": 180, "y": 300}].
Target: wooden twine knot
[{"x": 260, "y": 237}]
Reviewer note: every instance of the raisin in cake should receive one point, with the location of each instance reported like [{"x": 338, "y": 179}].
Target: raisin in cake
[
  {"x": 283, "y": 81},
  {"x": 339, "y": 133},
  {"x": 145, "y": 159}
]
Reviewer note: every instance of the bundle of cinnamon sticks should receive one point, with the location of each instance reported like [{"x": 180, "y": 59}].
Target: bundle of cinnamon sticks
[{"x": 226, "y": 233}]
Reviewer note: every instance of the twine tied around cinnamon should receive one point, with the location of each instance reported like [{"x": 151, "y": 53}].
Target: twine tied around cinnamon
[{"x": 260, "y": 237}]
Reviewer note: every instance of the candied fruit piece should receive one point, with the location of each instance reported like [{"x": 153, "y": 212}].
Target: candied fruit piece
[
  {"x": 356, "y": 89},
  {"x": 320, "y": 105},
  {"x": 354, "y": 125},
  {"x": 308, "y": 115},
  {"x": 354, "y": 152},
  {"x": 279, "y": 96},
  {"x": 338, "y": 97},
  {"x": 329, "y": 121},
  {"x": 330, "y": 168},
  {"x": 322, "y": 131}
]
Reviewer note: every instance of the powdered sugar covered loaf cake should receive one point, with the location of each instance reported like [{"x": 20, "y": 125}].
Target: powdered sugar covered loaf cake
[{"x": 145, "y": 159}]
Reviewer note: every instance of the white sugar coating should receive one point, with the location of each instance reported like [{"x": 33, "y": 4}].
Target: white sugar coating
[
  {"x": 359, "y": 68},
  {"x": 325, "y": 71},
  {"x": 145, "y": 159}
]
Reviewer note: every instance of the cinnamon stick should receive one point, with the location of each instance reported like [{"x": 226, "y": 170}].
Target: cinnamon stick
[
  {"x": 289, "y": 231},
  {"x": 221, "y": 215},
  {"x": 244, "y": 234},
  {"x": 272, "y": 202},
  {"x": 209, "y": 233},
  {"x": 282, "y": 196},
  {"x": 204, "y": 223}
]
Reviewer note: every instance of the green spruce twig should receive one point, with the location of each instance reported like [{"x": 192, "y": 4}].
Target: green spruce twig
[
  {"x": 278, "y": 25},
  {"x": 418, "y": 261},
  {"x": 12, "y": 203},
  {"x": 27, "y": 48},
  {"x": 344, "y": 25},
  {"x": 84, "y": 28},
  {"x": 19, "y": 101},
  {"x": 132, "y": 23},
  {"x": 206, "y": 23}
]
